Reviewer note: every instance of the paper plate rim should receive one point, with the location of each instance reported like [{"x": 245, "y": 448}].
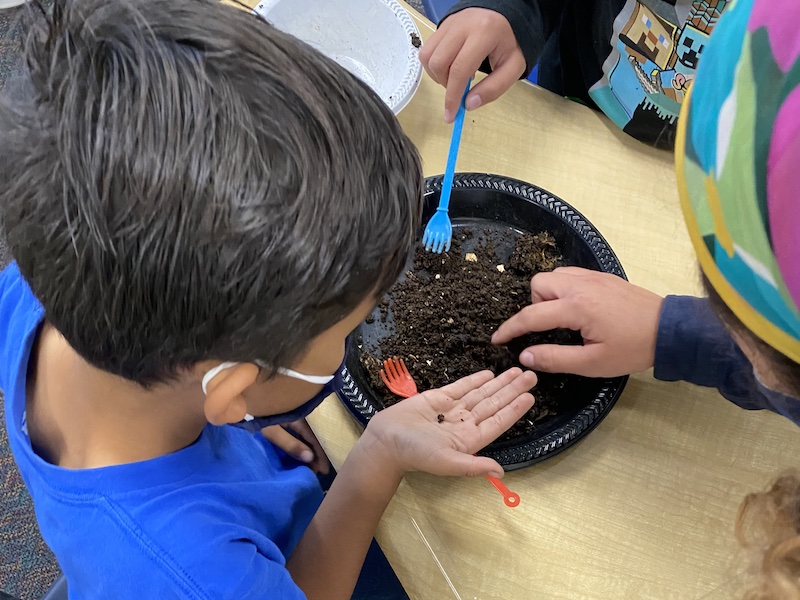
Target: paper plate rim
[{"x": 399, "y": 98}]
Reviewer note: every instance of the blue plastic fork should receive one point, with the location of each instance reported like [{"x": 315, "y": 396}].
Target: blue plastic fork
[{"x": 439, "y": 231}]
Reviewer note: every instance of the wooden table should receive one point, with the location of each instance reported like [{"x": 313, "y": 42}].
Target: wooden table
[{"x": 644, "y": 506}]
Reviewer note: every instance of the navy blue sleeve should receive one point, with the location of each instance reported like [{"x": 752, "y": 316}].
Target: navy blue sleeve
[
  {"x": 693, "y": 345},
  {"x": 531, "y": 20}
]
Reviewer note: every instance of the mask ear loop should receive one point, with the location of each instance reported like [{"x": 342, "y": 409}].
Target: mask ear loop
[
  {"x": 316, "y": 379},
  {"x": 214, "y": 372}
]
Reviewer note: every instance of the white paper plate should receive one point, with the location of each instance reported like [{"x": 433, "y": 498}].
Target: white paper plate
[
  {"x": 10, "y": 3},
  {"x": 370, "y": 38}
]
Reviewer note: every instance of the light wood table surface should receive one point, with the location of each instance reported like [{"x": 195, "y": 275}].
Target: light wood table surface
[{"x": 644, "y": 506}]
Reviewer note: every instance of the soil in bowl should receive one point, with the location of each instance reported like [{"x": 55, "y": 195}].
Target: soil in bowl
[{"x": 445, "y": 309}]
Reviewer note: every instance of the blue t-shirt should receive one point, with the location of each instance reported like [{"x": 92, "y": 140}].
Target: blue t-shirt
[{"x": 214, "y": 520}]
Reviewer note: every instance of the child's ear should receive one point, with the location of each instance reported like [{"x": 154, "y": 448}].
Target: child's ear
[{"x": 225, "y": 401}]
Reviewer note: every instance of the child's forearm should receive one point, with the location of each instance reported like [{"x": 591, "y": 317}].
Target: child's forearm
[
  {"x": 437, "y": 432},
  {"x": 329, "y": 556}
]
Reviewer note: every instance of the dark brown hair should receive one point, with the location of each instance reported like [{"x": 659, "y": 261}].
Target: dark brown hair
[
  {"x": 784, "y": 368},
  {"x": 180, "y": 181}
]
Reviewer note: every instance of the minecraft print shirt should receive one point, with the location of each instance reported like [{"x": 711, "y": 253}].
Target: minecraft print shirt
[
  {"x": 633, "y": 59},
  {"x": 656, "y": 48}
]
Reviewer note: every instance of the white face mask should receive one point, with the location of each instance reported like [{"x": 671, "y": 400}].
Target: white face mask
[
  {"x": 315, "y": 379},
  {"x": 255, "y": 424},
  {"x": 331, "y": 384}
]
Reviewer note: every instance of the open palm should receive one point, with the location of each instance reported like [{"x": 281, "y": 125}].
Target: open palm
[{"x": 439, "y": 431}]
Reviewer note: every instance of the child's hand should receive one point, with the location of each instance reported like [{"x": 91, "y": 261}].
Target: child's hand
[
  {"x": 423, "y": 433},
  {"x": 618, "y": 322},
  {"x": 458, "y": 48},
  {"x": 439, "y": 431},
  {"x": 302, "y": 444}
]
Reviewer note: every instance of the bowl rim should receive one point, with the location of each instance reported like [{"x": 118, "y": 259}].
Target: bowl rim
[
  {"x": 363, "y": 407},
  {"x": 404, "y": 91},
  {"x": 408, "y": 86}
]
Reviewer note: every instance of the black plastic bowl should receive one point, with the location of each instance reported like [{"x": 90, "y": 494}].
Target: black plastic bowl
[{"x": 507, "y": 207}]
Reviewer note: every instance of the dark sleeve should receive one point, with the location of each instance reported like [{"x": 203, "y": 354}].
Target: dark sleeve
[
  {"x": 531, "y": 20},
  {"x": 693, "y": 345}
]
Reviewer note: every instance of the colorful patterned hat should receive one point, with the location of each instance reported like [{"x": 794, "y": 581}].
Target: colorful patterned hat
[{"x": 738, "y": 165}]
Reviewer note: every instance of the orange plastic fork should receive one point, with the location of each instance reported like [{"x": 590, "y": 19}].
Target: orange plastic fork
[{"x": 397, "y": 378}]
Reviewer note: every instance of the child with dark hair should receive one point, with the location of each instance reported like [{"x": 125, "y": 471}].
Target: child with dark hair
[
  {"x": 738, "y": 167},
  {"x": 201, "y": 209}
]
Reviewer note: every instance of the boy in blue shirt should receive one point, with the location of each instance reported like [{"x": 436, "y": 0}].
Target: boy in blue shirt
[{"x": 201, "y": 210}]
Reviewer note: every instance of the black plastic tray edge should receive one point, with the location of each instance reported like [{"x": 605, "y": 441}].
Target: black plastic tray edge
[{"x": 463, "y": 180}]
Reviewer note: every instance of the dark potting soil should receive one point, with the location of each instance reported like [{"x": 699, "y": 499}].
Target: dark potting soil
[{"x": 446, "y": 309}]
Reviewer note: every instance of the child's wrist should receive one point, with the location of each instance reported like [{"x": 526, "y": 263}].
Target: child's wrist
[{"x": 374, "y": 455}]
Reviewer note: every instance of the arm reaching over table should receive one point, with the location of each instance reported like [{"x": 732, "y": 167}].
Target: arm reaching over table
[
  {"x": 409, "y": 436},
  {"x": 627, "y": 329}
]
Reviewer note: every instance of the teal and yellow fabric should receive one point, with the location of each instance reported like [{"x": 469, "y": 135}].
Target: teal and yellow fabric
[{"x": 738, "y": 166}]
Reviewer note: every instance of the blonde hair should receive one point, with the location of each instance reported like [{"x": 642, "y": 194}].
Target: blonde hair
[
  {"x": 768, "y": 527},
  {"x": 768, "y": 523}
]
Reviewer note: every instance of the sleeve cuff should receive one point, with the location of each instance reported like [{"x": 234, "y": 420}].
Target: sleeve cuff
[{"x": 686, "y": 325}]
